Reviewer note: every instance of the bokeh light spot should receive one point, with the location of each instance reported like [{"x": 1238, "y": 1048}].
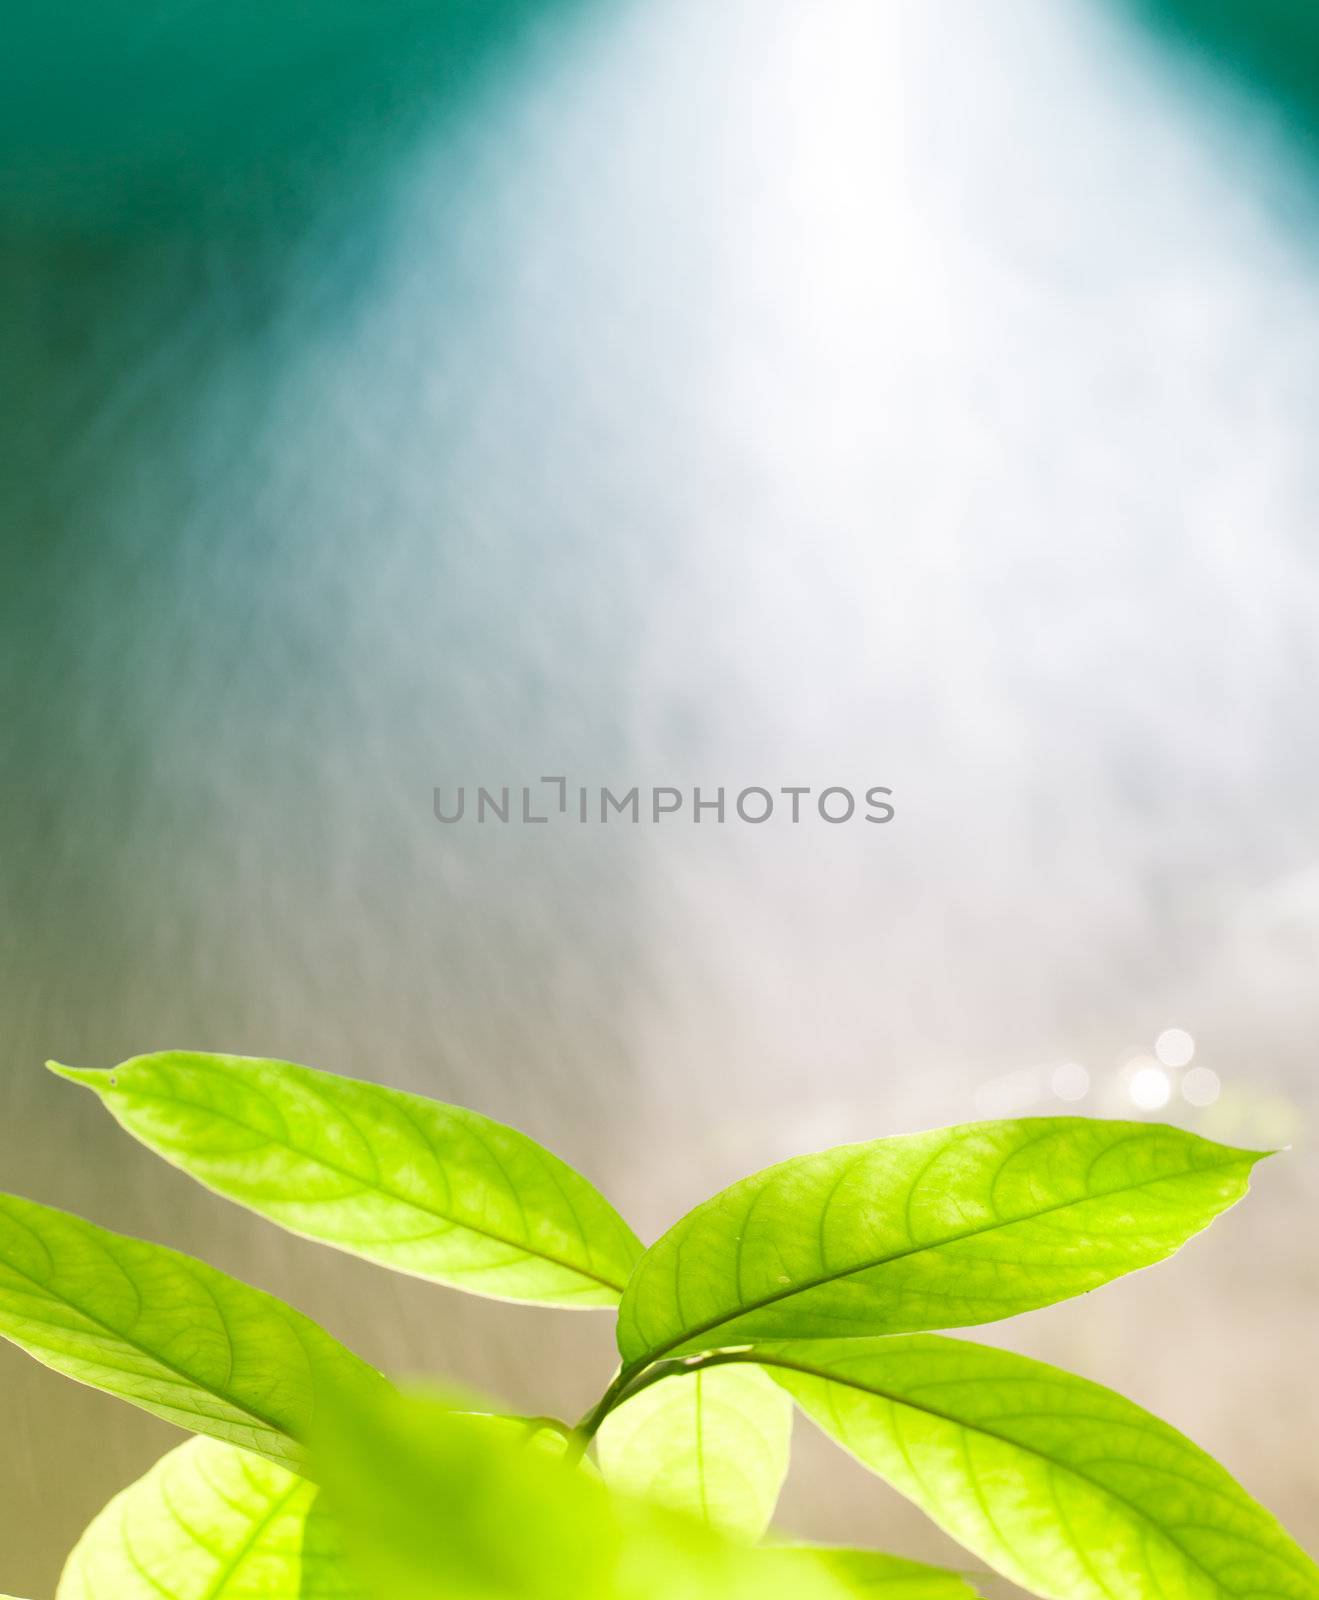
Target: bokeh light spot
[
  {"x": 1149, "y": 1087},
  {"x": 1200, "y": 1087},
  {"x": 1070, "y": 1081},
  {"x": 1174, "y": 1047}
]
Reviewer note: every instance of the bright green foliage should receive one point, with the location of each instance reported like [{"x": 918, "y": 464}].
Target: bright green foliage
[
  {"x": 425, "y": 1188},
  {"x": 714, "y": 1444},
  {"x": 210, "y": 1522},
  {"x": 1065, "y": 1487},
  {"x": 530, "y": 1433},
  {"x": 934, "y": 1230},
  {"x": 166, "y": 1332},
  {"x": 813, "y": 1281},
  {"x": 870, "y": 1573},
  {"x": 539, "y": 1434},
  {"x": 420, "y": 1493}
]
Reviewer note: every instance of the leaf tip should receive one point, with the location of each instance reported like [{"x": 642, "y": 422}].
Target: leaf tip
[
  {"x": 1238, "y": 1154},
  {"x": 89, "y": 1076}
]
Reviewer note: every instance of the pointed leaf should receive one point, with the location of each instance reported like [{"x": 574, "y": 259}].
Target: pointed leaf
[
  {"x": 425, "y": 1188},
  {"x": 1063, "y": 1486},
  {"x": 933, "y": 1230},
  {"x": 165, "y": 1332},
  {"x": 420, "y": 1492},
  {"x": 714, "y": 1444},
  {"x": 870, "y": 1573},
  {"x": 210, "y": 1522}
]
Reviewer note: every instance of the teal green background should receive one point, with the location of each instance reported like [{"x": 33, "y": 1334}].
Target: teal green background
[{"x": 415, "y": 394}]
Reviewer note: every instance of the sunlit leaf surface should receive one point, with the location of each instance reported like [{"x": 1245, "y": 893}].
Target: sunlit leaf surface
[
  {"x": 714, "y": 1444},
  {"x": 1061, "y": 1485},
  {"x": 425, "y": 1188},
  {"x": 167, "y": 1333},
  {"x": 210, "y": 1522},
  {"x": 870, "y": 1572},
  {"x": 933, "y": 1230},
  {"x": 420, "y": 1493}
]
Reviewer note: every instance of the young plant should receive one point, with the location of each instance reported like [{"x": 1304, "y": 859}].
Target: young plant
[{"x": 821, "y": 1281}]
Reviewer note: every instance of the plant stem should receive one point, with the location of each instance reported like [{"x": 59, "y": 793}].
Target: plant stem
[
  {"x": 630, "y": 1381},
  {"x": 585, "y": 1430}
]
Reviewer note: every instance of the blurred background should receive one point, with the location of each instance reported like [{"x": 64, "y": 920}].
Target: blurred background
[{"x": 801, "y": 391}]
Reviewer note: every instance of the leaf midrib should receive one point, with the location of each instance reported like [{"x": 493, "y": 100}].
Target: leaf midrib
[
  {"x": 380, "y": 1187},
  {"x": 804, "y": 1285},
  {"x": 151, "y": 1355},
  {"x": 255, "y": 1533},
  {"x": 768, "y": 1359},
  {"x": 187, "y": 1377}
]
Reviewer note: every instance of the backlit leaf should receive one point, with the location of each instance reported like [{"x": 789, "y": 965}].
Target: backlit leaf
[
  {"x": 165, "y": 1332},
  {"x": 1063, "y": 1486},
  {"x": 527, "y": 1433},
  {"x": 210, "y": 1522},
  {"x": 422, "y": 1495},
  {"x": 714, "y": 1444},
  {"x": 425, "y": 1188},
  {"x": 870, "y": 1573},
  {"x": 931, "y": 1230}
]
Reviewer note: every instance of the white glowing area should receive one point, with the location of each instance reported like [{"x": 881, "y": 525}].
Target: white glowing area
[
  {"x": 1070, "y": 1082},
  {"x": 1174, "y": 1047},
  {"x": 1149, "y": 1087},
  {"x": 1201, "y": 1087}
]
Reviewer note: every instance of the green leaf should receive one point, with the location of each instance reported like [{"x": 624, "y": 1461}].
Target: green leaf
[
  {"x": 421, "y": 1492},
  {"x": 210, "y": 1522},
  {"x": 1063, "y": 1486},
  {"x": 714, "y": 1444},
  {"x": 540, "y": 1434},
  {"x": 167, "y": 1333},
  {"x": 425, "y": 1188},
  {"x": 868, "y": 1572},
  {"x": 533, "y": 1433},
  {"x": 933, "y": 1230}
]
